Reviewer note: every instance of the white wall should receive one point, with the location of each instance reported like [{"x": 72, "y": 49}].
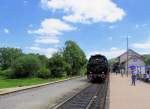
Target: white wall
[
  {"x": 138, "y": 62},
  {"x": 130, "y": 54}
]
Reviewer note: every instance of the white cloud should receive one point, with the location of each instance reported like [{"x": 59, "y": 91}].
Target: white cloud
[
  {"x": 86, "y": 11},
  {"x": 52, "y": 27},
  {"x": 142, "y": 45},
  {"x": 44, "y": 51},
  {"x": 144, "y": 52},
  {"x": 6, "y": 31},
  {"x": 50, "y": 30},
  {"x": 140, "y": 25},
  {"x": 47, "y": 40},
  {"x": 111, "y": 53}
]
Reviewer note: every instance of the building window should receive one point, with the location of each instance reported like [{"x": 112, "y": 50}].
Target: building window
[{"x": 134, "y": 59}]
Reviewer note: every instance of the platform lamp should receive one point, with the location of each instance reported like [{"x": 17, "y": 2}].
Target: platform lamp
[{"x": 127, "y": 54}]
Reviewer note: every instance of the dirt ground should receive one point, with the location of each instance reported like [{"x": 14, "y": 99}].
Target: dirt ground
[{"x": 125, "y": 96}]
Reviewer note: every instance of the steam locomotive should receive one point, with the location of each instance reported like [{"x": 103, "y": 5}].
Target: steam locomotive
[{"x": 97, "y": 68}]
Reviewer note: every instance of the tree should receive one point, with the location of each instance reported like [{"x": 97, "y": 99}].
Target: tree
[
  {"x": 44, "y": 60},
  {"x": 8, "y": 56},
  {"x": 26, "y": 66},
  {"x": 147, "y": 59},
  {"x": 74, "y": 56},
  {"x": 112, "y": 61},
  {"x": 57, "y": 65}
]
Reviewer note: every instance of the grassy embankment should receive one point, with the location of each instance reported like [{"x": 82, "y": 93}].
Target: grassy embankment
[{"x": 8, "y": 83}]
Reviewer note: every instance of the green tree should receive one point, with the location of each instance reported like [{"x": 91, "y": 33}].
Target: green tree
[
  {"x": 57, "y": 65},
  {"x": 146, "y": 59},
  {"x": 44, "y": 73},
  {"x": 8, "y": 56},
  {"x": 112, "y": 61},
  {"x": 25, "y": 66},
  {"x": 44, "y": 60},
  {"x": 75, "y": 57}
]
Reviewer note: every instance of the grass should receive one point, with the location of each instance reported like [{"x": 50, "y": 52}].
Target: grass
[{"x": 8, "y": 83}]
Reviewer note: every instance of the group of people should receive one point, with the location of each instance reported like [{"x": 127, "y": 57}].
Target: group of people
[{"x": 134, "y": 75}]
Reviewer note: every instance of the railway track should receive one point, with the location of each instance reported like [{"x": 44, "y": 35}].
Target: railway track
[{"x": 92, "y": 97}]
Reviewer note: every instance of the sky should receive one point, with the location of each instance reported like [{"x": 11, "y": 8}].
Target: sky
[{"x": 97, "y": 26}]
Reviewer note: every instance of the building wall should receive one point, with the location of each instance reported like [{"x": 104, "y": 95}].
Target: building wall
[
  {"x": 134, "y": 60},
  {"x": 130, "y": 54},
  {"x": 137, "y": 62}
]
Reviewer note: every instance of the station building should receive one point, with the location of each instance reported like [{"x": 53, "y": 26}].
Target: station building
[{"x": 133, "y": 59}]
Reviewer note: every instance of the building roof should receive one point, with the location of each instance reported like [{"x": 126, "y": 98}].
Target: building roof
[
  {"x": 132, "y": 55},
  {"x": 130, "y": 50}
]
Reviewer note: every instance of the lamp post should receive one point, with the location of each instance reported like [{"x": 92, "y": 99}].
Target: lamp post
[{"x": 127, "y": 54}]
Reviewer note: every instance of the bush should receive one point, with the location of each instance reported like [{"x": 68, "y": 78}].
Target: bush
[
  {"x": 26, "y": 66},
  {"x": 0, "y": 71},
  {"x": 44, "y": 73},
  {"x": 8, "y": 56},
  {"x": 83, "y": 70},
  {"x": 58, "y": 72},
  {"x": 7, "y": 73},
  {"x": 58, "y": 65}
]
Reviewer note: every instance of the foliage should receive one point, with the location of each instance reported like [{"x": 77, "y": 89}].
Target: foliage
[
  {"x": 15, "y": 64},
  {"x": 74, "y": 56},
  {"x": 42, "y": 58},
  {"x": 7, "y": 73},
  {"x": 58, "y": 66},
  {"x": 146, "y": 59},
  {"x": 112, "y": 61},
  {"x": 26, "y": 66},
  {"x": 84, "y": 70},
  {"x": 8, "y": 56},
  {"x": 44, "y": 73}
]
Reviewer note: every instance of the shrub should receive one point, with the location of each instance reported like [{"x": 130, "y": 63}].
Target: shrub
[
  {"x": 83, "y": 70},
  {"x": 26, "y": 66},
  {"x": 7, "y": 73},
  {"x": 57, "y": 65},
  {"x": 58, "y": 72},
  {"x": 8, "y": 56},
  {"x": 0, "y": 71},
  {"x": 44, "y": 73}
]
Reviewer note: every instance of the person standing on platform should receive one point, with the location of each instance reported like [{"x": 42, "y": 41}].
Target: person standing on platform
[{"x": 133, "y": 75}]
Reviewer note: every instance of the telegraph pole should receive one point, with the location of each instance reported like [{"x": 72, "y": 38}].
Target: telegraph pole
[{"x": 127, "y": 54}]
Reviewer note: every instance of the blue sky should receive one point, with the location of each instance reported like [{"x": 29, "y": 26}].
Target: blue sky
[{"x": 98, "y": 26}]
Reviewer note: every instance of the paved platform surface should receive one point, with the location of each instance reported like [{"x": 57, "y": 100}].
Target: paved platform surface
[{"x": 125, "y": 96}]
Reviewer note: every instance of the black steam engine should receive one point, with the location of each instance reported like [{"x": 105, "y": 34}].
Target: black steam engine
[{"x": 97, "y": 68}]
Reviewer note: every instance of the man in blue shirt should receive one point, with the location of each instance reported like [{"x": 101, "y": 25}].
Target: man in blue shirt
[{"x": 133, "y": 75}]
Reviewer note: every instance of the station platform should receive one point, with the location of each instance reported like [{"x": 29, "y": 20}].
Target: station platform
[{"x": 125, "y": 96}]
